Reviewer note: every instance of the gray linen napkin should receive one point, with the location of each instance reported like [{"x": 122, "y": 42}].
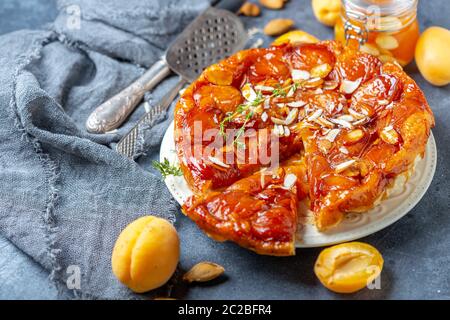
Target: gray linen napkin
[{"x": 64, "y": 194}]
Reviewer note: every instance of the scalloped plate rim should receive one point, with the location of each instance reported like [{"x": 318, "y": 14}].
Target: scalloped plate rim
[{"x": 180, "y": 191}]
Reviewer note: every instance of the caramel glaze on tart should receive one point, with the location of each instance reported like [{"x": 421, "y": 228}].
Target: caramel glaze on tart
[{"x": 347, "y": 126}]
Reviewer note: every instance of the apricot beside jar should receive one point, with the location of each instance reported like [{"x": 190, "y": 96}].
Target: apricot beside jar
[
  {"x": 146, "y": 254},
  {"x": 431, "y": 55},
  {"x": 327, "y": 11}
]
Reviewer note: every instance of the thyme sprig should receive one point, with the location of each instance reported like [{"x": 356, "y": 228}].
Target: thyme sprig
[
  {"x": 242, "y": 109},
  {"x": 166, "y": 168}
]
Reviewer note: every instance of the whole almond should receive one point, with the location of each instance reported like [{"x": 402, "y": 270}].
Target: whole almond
[
  {"x": 250, "y": 9},
  {"x": 273, "y": 4},
  {"x": 203, "y": 271},
  {"x": 278, "y": 26}
]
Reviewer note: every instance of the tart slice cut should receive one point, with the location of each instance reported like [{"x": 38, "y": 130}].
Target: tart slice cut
[{"x": 258, "y": 212}]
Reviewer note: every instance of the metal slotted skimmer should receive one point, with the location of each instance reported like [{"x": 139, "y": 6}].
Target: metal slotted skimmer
[{"x": 211, "y": 37}]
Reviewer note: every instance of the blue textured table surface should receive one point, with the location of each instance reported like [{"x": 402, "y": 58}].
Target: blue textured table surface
[{"x": 416, "y": 248}]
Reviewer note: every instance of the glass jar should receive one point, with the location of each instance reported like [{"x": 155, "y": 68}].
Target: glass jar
[{"x": 387, "y": 29}]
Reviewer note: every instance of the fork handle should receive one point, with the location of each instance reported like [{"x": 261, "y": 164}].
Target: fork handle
[{"x": 112, "y": 113}]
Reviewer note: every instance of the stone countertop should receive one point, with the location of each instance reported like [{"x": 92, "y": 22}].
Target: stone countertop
[{"x": 416, "y": 249}]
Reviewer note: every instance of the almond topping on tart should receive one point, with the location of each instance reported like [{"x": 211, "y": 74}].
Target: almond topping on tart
[
  {"x": 289, "y": 181},
  {"x": 389, "y": 135},
  {"x": 330, "y": 85},
  {"x": 348, "y": 86},
  {"x": 344, "y": 165},
  {"x": 315, "y": 115},
  {"x": 324, "y": 122},
  {"x": 354, "y": 136},
  {"x": 264, "y": 88},
  {"x": 343, "y": 149},
  {"x": 297, "y": 104},
  {"x": 292, "y": 115},
  {"x": 218, "y": 162},
  {"x": 248, "y": 93},
  {"x": 312, "y": 82},
  {"x": 264, "y": 116},
  {"x": 300, "y": 75},
  {"x": 356, "y": 114},
  {"x": 332, "y": 134},
  {"x": 342, "y": 123}
]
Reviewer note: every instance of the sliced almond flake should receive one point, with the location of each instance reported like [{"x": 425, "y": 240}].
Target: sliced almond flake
[
  {"x": 292, "y": 115},
  {"x": 269, "y": 56},
  {"x": 264, "y": 88},
  {"x": 330, "y": 107},
  {"x": 277, "y": 121},
  {"x": 389, "y": 135},
  {"x": 356, "y": 114},
  {"x": 361, "y": 121},
  {"x": 342, "y": 123},
  {"x": 315, "y": 115},
  {"x": 332, "y": 134},
  {"x": 290, "y": 92},
  {"x": 339, "y": 107},
  {"x": 287, "y": 131},
  {"x": 343, "y": 149},
  {"x": 383, "y": 102},
  {"x": 318, "y": 91},
  {"x": 289, "y": 181},
  {"x": 297, "y": 104},
  {"x": 312, "y": 83},
  {"x": 324, "y": 122},
  {"x": 388, "y": 128},
  {"x": 344, "y": 165},
  {"x": 278, "y": 130},
  {"x": 349, "y": 87},
  {"x": 390, "y": 106},
  {"x": 248, "y": 93},
  {"x": 218, "y": 162},
  {"x": 266, "y": 104},
  {"x": 281, "y": 105},
  {"x": 346, "y": 117},
  {"x": 300, "y": 74},
  {"x": 364, "y": 111},
  {"x": 264, "y": 116},
  {"x": 330, "y": 85}
]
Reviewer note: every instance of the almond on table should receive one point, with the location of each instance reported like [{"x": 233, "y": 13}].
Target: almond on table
[{"x": 278, "y": 26}]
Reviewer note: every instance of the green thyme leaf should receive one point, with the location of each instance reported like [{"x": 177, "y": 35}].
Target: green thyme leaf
[{"x": 166, "y": 168}]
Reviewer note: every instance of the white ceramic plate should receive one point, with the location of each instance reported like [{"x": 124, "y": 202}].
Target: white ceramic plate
[{"x": 355, "y": 225}]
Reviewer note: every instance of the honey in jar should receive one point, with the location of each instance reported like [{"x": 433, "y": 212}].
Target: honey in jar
[{"x": 387, "y": 29}]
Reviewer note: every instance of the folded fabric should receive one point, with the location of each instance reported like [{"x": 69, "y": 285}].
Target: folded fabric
[{"x": 65, "y": 194}]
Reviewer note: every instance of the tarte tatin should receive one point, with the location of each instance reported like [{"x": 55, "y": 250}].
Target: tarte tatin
[{"x": 341, "y": 124}]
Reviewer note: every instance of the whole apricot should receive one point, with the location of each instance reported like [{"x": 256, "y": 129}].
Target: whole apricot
[
  {"x": 327, "y": 11},
  {"x": 431, "y": 55},
  {"x": 295, "y": 36},
  {"x": 348, "y": 267},
  {"x": 146, "y": 254}
]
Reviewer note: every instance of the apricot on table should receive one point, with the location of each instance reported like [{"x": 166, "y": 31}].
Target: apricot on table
[
  {"x": 327, "y": 11},
  {"x": 431, "y": 55},
  {"x": 295, "y": 36},
  {"x": 146, "y": 254},
  {"x": 348, "y": 267}
]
